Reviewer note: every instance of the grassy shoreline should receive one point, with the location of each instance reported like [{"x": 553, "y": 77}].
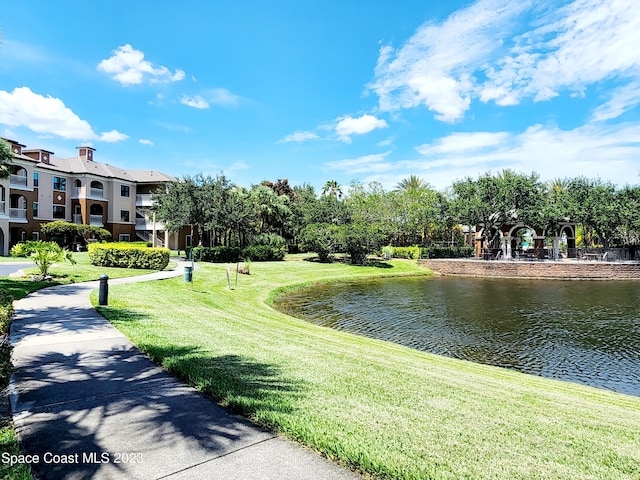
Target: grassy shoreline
[{"x": 373, "y": 406}]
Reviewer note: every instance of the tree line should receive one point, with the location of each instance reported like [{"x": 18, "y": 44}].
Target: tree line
[{"x": 360, "y": 219}]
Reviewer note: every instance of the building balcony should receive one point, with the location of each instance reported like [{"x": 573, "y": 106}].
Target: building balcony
[
  {"x": 96, "y": 221},
  {"x": 143, "y": 200},
  {"x": 81, "y": 192},
  {"x": 18, "y": 213},
  {"x": 147, "y": 224},
  {"x": 96, "y": 192},
  {"x": 19, "y": 181}
]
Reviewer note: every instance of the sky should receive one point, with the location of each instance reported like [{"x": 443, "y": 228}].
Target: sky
[{"x": 364, "y": 90}]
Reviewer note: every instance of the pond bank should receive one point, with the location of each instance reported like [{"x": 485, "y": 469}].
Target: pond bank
[{"x": 561, "y": 270}]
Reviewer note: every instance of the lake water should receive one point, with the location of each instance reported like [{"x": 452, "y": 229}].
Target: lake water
[{"x": 580, "y": 331}]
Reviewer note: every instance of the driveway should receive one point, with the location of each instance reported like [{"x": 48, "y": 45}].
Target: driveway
[{"x": 7, "y": 269}]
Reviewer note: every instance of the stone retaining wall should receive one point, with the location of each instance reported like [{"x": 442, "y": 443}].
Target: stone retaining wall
[{"x": 566, "y": 270}]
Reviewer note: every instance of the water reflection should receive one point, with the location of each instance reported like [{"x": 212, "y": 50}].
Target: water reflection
[{"x": 581, "y": 331}]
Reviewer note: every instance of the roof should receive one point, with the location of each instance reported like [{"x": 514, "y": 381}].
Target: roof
[{"x": 79, "y": 166}]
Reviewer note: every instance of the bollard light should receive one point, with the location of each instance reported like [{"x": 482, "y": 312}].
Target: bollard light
[{"x": 103, "y": 292}]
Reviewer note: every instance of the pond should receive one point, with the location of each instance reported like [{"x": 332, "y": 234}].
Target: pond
[{"x": 580, "y": 331}]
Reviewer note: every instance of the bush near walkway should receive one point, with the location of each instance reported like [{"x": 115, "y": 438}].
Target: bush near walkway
[{"x": 128, "y": 255}]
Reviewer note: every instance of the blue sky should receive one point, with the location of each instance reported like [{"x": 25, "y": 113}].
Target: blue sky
[{"x": 312, "y": 91}]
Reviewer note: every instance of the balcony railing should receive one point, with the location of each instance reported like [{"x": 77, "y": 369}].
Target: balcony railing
[
  {"x": 2, "y": 206},
  {"x": 19, "y": 213},
  {"x": 96, "y": 192},
  {"x": 143, "y": 199},
  {"x": 77, "y": 191},
  {"x": 96, "y": 220},
  {"x": 17, "y": 180}
]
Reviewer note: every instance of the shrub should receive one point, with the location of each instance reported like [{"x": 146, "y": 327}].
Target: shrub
[
  {"x": 359, "y": 240},
  {"x": 66, "y": 233},
  {"x": 262, "y": 253},
  {"x": 6, "y": 311},
  {"x": 43, "y": 254},
  {"x": 320, "y": 238},
  {"x": 276, "y": 244},
  {"x": 123, "y": 255},
  {"x": 412, "y": 253},
  {"x": 218, "y": 254}
]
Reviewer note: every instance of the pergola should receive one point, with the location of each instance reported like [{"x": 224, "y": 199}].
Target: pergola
[{"x": 506, "y": 242}]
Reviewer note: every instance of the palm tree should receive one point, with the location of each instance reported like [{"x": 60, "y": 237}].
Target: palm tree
[
  {"x": 412, "y": 184},
  {"x": 332, "y": 189}
]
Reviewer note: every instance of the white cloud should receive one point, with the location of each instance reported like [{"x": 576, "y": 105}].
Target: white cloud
[
  {"x": 113, "y": 136},
  {"x": 223, "y": 97},
  {"x": 622, "y": 100},
  {"x": 434, "y": 67},
  {"x": 299, "y": 136},
  {"x": 386, "y": 142},
  {"x": 42, "y": 114},
  {"x": 195, "y": 102},
  {"x": 464, "y": 143},
  {"x": 47, "y": 116},
  {"x": 128, "y": 66},
  {"x": 364, "y": 164},
  {"x": 145, "y": 141},
  {"x": 592, "y": 150},
  {"x": 217, "y": 96},
  {"x": 348, "y": 126},
  {"x": 504, "y": 51}
]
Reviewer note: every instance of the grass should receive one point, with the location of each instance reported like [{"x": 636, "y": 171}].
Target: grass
[
  {"x": 372, "y": 406},
  {"x": 18, "y": 288}
]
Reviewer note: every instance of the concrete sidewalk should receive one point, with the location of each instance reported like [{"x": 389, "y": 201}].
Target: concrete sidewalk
[{"x": 90, "y": 405}]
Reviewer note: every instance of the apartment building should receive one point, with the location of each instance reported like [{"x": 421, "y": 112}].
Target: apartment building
[{"x": 44, "y": 188}]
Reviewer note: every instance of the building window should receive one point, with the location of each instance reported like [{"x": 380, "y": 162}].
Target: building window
[
  {"x": 35, "y": 209},
  {"x": 124, "y": 237},
  {"x": 124, "y": 191},
  {"x": 60, "y": 183},
  {"x": 124, "y": 215},
  {"x": 35, "y": 236},
  {"x": 188, "y": 240},
  {"x": 58, "y": 211},
  {"x": 35, "y": 179},
  {"x": 23, "y": 236}
]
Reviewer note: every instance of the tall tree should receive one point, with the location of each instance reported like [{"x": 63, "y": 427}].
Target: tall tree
[
  {"x": 332, "y": 189},
  {"x": 494, "y": 200},
  {"x": 412, "y": 184},
  {"x": 5, "y": 159},
  {"x": 597, "y": 207},
  {"x": 272, "y": 209}
]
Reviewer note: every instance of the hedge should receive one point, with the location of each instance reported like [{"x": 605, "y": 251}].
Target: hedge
[
  {"x": 220, "y": 254},
  {"x": 6, "y": 311},
  {"x": 128, "y": 256},
  {"x": 263, "y": 253},
  {"x": 215, "y": 254},
  {"x": 411, "y": 253}
]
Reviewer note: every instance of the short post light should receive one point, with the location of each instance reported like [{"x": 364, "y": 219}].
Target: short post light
[{"x": 103, "y": 292}]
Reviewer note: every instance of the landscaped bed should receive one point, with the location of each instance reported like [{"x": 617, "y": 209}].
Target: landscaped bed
[{"x": 373, "y": 406}]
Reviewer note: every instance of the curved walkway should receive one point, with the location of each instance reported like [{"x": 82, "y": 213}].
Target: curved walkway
[{"x": 90, "y": 405}]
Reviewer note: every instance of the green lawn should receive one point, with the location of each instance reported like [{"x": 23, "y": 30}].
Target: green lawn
[{"x": 375, "y": 407}]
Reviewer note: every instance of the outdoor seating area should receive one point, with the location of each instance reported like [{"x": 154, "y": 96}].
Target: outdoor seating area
[{"x": 574, "y": 255}]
